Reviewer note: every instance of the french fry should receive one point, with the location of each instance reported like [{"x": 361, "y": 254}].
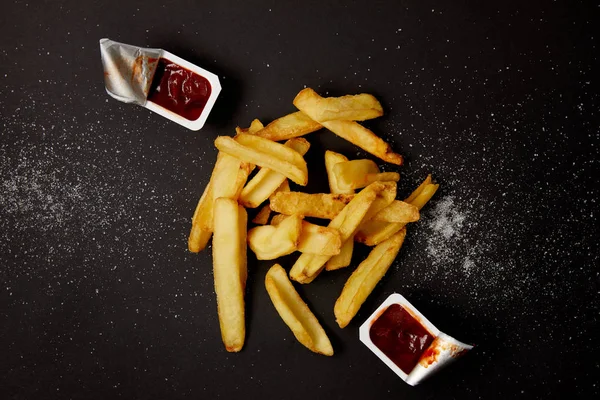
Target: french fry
[
  {"x": 331, "y": 159},
  {"x": 372, "y": 232},
  {"x": 202, "y": 220},
  {"x": 366, "y": 276},
  {"x": 295, "y": 313},
  {"x": 308, "y": 266},
  {"x": 349, "y": 130},
  {"x": 284, "y": 187},
  {"x": 230, "y": 270},
  {"x": 425, "y": 195},
  {"x": 398, "y": 211},
  {"x": 262, "y": 218},
  {"x": 357, "y": 107},
  {"x": 271, "y": 241},
  {"x": 267, "y": 154},
  {"x": 343, "y": 259},
  {"x": 199, "y": 237},
  {"x": 357, "y": 174},
  {"x": 317, "y": 205},
  {"x": 383, "y": 199},
  {"x": 267, "y": 181},
  {"x": 277, "y": 218},
  {"x": 255, "y": 126},
  {"x": 230, "y": 176},
  {"x": 289, "y": 126},
  {"x": 419, "y": 189},
  {"x": 316, "y": 239}
]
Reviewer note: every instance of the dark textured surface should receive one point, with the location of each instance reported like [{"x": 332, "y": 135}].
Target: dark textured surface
[{"x": 99, "y": 297}]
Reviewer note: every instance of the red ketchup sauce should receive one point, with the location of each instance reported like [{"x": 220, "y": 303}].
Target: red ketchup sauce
[
  {"x": 400, "y": 336},
  {"x": 179, "y": 90}
]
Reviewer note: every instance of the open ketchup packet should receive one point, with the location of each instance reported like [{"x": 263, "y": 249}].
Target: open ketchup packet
[
  {"x": 159, "y": 81},
  {"x": 407, "y": 342}
]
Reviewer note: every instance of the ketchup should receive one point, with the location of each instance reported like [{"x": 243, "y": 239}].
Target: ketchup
[
  {"x": 400, "y": 336},
  {"x": 179, "y": 90}
]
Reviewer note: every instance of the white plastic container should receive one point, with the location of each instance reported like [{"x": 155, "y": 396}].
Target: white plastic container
[
  {"x": 129, "y": 71},
  {"x": 442, "y": 351}
]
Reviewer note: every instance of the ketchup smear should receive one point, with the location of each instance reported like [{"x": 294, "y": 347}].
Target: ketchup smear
[
  {"x": 179, "y": 90},
  {"x": 400, "y": 336}
]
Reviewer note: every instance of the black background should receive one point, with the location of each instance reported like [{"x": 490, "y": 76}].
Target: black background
[{"x": 99, "y": 297}]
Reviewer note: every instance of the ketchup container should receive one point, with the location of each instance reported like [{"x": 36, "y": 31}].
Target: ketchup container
[
  {"x": 407, "y": 342},
  {"x": 159, "y": 81}
]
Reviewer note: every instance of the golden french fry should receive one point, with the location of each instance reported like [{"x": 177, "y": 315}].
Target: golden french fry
[
  {"x": 316, "y": 239},
  {"x": 255, "y": 126},
  {"x": 331, "y": 159},
  {"x": 398, "y": 211},
  {"x": 265, "y": 153},
  {"x": 289, "y": 126},
  {"x": 230, "y": 270},
  {"x": 284, "y": 187},
  {"x": 418, "y": 190},
  {"x": 349, "y": 130},
  {"x": 227, "y": 180},
  {"x": 364, "y": 138},
  {"x": 425, "y": 195},
  {"x": 372, "y": 232},
  {"x": 308, "y": 266},
  {"x": 227, "y": 187},
  {"x": 262, "y": 218},
  {"x": 277, "y": 218},
  {"x": 271, "y": 241},
  {"x": 366, "y": 276},
  {"x": 295, "y": 313},
  {"x": 267, "y": 181},
  {"x": 383, "y": 199},
  {"x": 357, "y": 174},
  {"x": 199, "y": 237},
  {"x": 343, "y": 259},
  {"x": 318, "y": 205},
  {"x": 357, "y": 107}
]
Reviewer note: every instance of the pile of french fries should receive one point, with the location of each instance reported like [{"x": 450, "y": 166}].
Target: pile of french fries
[{"x": 361, "y": 207}]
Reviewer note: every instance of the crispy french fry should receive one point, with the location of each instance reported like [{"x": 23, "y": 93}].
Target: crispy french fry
[
  {"x": 383, "y": 199},
  {"x": 372, "y": 232},
  {"x": 419, "y": 189},
  {"x": 357, "y": 174},
  {"x": 343, "y": 259},
  {"x": 284, "y": 187},
  {"x": 255, "y": 126},
  {"x": 425, "y": 195},
  {"x": 289, "y": 126},
  {"x": 230, "y": 270},
  {"x": 349, "y": 130},
  {"x": 277, "y": 218},
  {"x": 228, "y": 179},
  {"x": 203, "y": 215},
  {"x": 331, "y": 159},
  {"x": 266, "y": 153},
  {"x": 262, "y": 218},
  {"x": 318, "y": 205},
  {"x": 321, "y": 240},
  {"x": 398, "y": 211},
  {"x": 271, "y": 241},
  {"x": 366, "y": 276},
  {"x": 199, "y": 237},
  {"x": 267, "y": 181},
  {"x": 308, "y": 266},
  {"x": 295, "y": 313},
  {"x": 357, "y": 107}
]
